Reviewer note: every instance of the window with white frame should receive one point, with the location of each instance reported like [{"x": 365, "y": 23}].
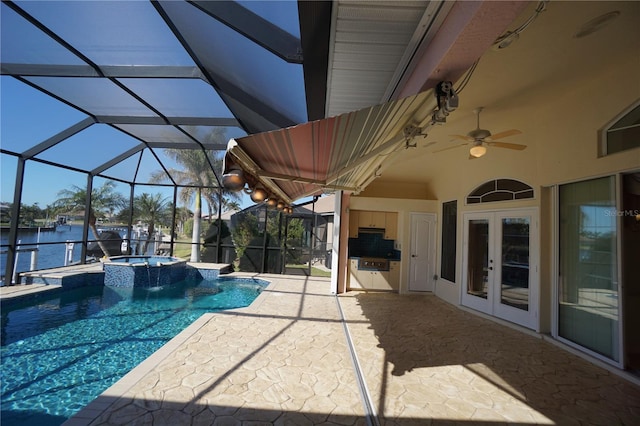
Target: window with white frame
[{"x": 624, "y": 132}]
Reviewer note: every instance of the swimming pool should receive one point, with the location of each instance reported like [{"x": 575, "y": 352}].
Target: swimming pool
[{"x": 62, "y": 352}]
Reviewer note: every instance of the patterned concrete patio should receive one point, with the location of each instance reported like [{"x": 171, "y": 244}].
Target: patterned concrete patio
[{"x": 286, "y": 360}]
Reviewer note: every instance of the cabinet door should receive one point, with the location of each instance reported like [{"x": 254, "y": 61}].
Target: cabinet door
[
  {"x": 378, "y": 219},
  {"x": 365, "y": 219},
  {"x": 380, "y": 280},
  {"x": 354, "y": 216},
  {"x": 354, "y": 278},
  {"x": 394, "y": 275},
  {"x": 391, "y": 226}
]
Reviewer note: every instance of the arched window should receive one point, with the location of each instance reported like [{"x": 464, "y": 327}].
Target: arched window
[
  {"x": 500, "y": 190},
  {"x": 623, "y": 133}
]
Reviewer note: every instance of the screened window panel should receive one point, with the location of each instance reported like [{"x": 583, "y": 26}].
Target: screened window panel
[
  {"x": 23, "y": 43},
  {"x": 124, "y": 170},
  {"x": 212, "y": 135},
  {"x": 29, "y": 117},
  {"x": 112, "y": 32},
  {"x": 588, "y": 291},
  {"x": 155, "y": 133},
  {"x": 179, "y": 97},
  {"x": 98, "y": 96},
  {"x": 8, "y": 167},
  {"x": 149, "y": 166},
  {"x": 90, "y": 148},
  {"x": 240, "y": 62},
  {"x": 284, "y": 14}
]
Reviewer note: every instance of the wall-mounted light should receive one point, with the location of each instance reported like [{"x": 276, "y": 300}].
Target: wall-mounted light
[
  {"x": 233, "y": 180},
  {"x": 280, "y": 205},
  {"x": 478, "y": 150},
  {"x": 258, "y": 195}
]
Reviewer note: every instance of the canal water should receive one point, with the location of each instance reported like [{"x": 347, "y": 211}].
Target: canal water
[{"x": 51, "y": 247}]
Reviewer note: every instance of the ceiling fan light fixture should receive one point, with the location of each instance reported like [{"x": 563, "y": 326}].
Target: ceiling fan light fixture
[{"x": 478, "y": 150}]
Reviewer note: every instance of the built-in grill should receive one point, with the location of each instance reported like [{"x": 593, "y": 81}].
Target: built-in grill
[{"x": 373, "y": 264}]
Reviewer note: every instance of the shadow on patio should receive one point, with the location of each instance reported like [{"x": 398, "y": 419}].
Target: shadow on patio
[{"x": 423, "y": 357}]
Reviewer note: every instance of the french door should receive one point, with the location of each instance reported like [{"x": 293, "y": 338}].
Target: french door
[{"x": 500, "y": 274}]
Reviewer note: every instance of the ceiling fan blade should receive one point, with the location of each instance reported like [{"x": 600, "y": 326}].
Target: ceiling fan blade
[
  {"x": 507, "y": 145},
  {"x": 449, "y": 147},
  {"x": 504, "y": 134},
  {"x": 464, "y": 138}
]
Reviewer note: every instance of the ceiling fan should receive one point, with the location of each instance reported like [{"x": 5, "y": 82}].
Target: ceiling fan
[{"x": 479, "y": 138}]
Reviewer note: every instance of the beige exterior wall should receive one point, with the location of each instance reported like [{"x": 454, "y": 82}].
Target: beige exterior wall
[{"x": 561, "y": 127}]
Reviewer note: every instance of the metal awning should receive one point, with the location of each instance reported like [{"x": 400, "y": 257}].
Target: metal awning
[{"x": 337, "y": 153}]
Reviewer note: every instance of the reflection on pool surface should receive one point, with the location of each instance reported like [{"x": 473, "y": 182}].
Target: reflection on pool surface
[{"x": 62, "y": 352}]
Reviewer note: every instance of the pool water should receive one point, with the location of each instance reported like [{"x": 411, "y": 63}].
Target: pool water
[{"x": 60, "y": 353}]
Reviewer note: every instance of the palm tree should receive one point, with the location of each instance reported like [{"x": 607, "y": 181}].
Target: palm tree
[
  {"x": 151, "y": 208},
  {"x": 198, "y": 181},
  {"x": 103, "y": 199}
]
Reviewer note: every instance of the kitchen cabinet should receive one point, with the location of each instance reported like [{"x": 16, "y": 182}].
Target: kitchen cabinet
[
  {"x": 371, "y": 219},
  {"x": 372, "y": 280},
  {"x": 354, "y": 224},
  {"x": 394, "y": 274},
  {"x": 353, "y": 274},
  {"x": 380, "y": 280},
  {"x": 391, "y": 226}
]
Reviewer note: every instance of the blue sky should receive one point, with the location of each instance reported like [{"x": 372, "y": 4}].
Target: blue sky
[{"x": 29, "y": 117}]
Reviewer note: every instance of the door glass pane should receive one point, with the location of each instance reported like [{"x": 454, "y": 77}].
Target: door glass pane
[
  {"x": 514, "y": 288},
  {"x": 588, "y": 290},
  {"x": 478, "y": 258}
]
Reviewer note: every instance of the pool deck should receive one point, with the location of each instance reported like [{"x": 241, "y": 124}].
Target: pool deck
[{"x": 286, "y": 360}]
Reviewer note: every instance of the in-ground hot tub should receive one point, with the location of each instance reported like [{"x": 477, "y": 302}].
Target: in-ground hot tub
[{"x": 143, "y": 271}]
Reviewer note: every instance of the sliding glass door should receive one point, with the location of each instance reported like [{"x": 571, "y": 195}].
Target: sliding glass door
[{"x": 588, "y": 307}]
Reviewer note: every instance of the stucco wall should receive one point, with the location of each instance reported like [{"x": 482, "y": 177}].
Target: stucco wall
[{"x": 561, "y": 125}]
